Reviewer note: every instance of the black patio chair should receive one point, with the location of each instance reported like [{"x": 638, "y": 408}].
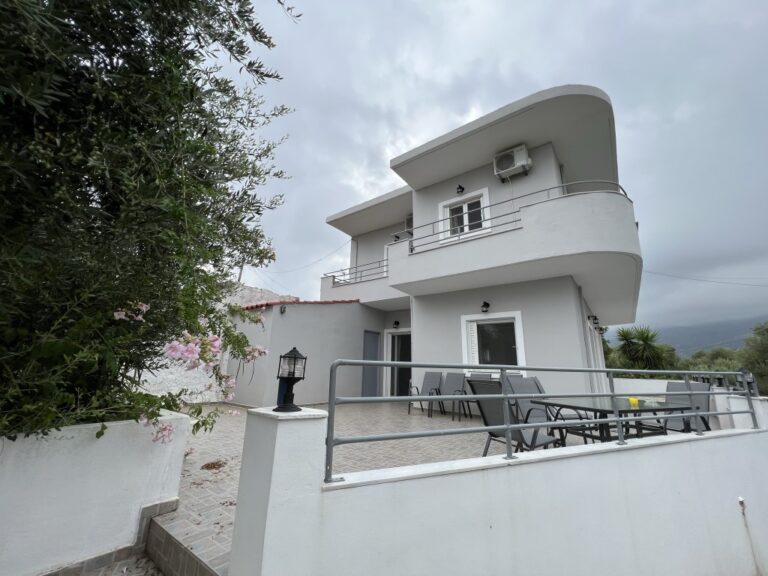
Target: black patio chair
[
  {"x": 455, "y": 383},
  {"x": 492, "y": 413},
  {"x": 700, "y": 403},
  {"x": 430, "y": 386}
]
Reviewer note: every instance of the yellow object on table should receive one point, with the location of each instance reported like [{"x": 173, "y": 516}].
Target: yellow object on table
[{"x": 634, "y": 402}]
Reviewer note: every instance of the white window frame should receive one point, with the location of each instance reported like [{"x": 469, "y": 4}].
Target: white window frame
[
  {"x": 491, "y": 318},
  {"x": 443, "y": 211}
]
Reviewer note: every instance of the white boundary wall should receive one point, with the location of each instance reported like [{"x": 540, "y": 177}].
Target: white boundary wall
[
  {"x": 663, "y": 505},
  {"x": 70, "y": 496}
]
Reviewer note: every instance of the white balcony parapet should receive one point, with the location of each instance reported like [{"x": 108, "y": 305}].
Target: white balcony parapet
[{"x": 497, "y": 217}]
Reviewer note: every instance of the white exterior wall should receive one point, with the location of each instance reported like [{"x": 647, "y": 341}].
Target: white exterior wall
[
  {"x": 551, "y": 325},
  {"x": 70, "y": 496},
  {"x": 323, "y": 333},
  {"x": 544, "y": 173},
  {"x": 664, "y": 505},
  {"x": 371, "y": 247}
]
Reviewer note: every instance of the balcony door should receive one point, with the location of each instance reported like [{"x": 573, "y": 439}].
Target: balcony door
[{"x": 400, "y": 351}]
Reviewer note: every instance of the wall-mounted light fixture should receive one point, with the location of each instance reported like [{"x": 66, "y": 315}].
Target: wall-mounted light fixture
[
  {"x": 484, "y": 307},
  {"x": 396, "y": 324},
  {"x": 459, "y": 189},
  {"x": 282, "y": 309}
]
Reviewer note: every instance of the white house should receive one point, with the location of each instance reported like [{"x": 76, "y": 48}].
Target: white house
[{"x": 511, "y": 244}]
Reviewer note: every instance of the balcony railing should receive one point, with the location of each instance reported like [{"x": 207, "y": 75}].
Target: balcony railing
[
  {"x": 506, "y": 215},
  {"x": 616, "y": 420},
  {"x": 361, "y": 273}
]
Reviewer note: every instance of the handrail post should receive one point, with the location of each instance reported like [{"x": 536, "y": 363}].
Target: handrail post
[
  {"x": 329, "y": 436},
  {"x": 619, "y": 424},
  {"x": 750, "y": 402},
  {"x": 507, "y": 431},
  {"x": 697, "y": 418}
]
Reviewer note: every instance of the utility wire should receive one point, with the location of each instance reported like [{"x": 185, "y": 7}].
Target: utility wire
[
  {"x": 709, "y": 280},
  {"x": 304, "y": 267}
]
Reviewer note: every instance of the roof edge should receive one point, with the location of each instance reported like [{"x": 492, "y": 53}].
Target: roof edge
[{"x": 492, "y": 117}]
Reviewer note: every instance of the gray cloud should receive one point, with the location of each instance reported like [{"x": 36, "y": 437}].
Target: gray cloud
[{"x": 371, "y": 80}]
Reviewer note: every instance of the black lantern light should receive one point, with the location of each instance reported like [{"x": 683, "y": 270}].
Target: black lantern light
[
  {"x": 290, "y": 370},
  {"x": 484, "y": 307}
]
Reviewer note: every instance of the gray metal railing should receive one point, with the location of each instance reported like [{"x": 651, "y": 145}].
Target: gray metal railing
[
  {"x": 360, "y": 273},
  {"x": 743, "y": 387},
  {"x": 449, "y": 229}
]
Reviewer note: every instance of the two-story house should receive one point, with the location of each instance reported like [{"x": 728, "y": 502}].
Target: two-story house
[{"x": 512, "y": 243}]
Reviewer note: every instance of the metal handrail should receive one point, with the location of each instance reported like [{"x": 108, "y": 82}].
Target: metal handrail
[
  {"x": 444, "y": 232},
  {"x": 359, "y": 273},
  {"x": 332, "y": 440}
]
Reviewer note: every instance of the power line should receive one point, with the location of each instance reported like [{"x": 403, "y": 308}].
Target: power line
[
  {"x": 708, "y": 280},
  {"x": 264, "y": 276},
  {"x": 304, "y": 267}
]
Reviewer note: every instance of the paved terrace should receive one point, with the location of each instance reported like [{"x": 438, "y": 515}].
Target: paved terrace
[{"x": 203, "y": 522}]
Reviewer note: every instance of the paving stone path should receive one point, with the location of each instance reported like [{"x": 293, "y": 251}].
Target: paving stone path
[{"x": 204, "y": 520}]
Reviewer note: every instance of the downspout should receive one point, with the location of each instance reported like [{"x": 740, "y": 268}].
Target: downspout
[{"x": 585, "y": 335}]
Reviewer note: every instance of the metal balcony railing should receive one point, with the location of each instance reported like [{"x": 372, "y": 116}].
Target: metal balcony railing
[
  {"x": 497, "y": 217},
  {"x": 361, "y": 273},
  {"x": 744, "y": 386}
]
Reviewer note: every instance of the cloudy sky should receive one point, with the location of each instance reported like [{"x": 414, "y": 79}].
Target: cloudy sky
[{"x": 688, "y": 81}]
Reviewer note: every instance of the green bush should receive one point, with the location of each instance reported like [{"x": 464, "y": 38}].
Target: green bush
[{"x": 129, "y": 166}]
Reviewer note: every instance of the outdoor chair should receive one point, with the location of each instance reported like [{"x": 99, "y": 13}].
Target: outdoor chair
[
  {"x": 492, "y": 413},
  {"x": 530, "y": 412},
  {"x": 430, "y": 386},
  {"x": 455, "y": 383},
  {"x": 700, "y": 402}
]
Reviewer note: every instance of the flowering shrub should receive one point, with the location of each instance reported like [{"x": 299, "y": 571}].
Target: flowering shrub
[{"x": 128, "y": 195}]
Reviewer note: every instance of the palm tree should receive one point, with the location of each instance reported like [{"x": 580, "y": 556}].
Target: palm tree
[{"x": 638, "y": 348}]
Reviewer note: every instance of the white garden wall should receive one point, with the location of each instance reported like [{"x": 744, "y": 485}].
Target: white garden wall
[
  {"x": 664, "y": 505},
  {"x": 69, "y": 496}
]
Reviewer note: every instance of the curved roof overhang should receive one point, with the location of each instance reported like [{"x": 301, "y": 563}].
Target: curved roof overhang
[{"x": 576, "y": 119}]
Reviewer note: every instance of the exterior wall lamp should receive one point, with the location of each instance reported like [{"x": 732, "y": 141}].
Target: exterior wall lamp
[
  {"x": 282, "y": 308},
  {"x": 396, "y": 324},
  {"x": 484, "y": 307},
  {"x": 291, "y": 369},
  {"x": 459, "y": 189}
]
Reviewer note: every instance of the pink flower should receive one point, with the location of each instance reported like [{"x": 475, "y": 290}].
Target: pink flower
[
  {"x": 120, "y": 314},
  {"x": 163, "y": 432},
  {"x": 255, "y": 352},
  {"x": 174, "y": 350},
  {"x": 229, "y": 394},
  {"x": 143, "y": 307},
  {"x": 233, "y": 412},
  {"x": 190, "y": 352},
  {"x": 139, "y": 318},
  {"x": 214, "y": 342}
]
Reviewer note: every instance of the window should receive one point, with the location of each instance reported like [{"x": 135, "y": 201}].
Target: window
[
  {"x": 496, "y": 343},
  {"x": 493, "y": 338},
  {"x": 465, "y": 215}
]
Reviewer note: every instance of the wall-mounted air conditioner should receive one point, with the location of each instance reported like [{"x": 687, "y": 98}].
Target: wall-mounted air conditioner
[{"x": 511, "y": 162}]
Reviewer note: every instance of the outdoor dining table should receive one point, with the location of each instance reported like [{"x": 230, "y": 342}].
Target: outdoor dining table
[{"x": 602, "y": 408}]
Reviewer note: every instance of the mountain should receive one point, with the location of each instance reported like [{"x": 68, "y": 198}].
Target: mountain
[{"x": 690, "y": 339}]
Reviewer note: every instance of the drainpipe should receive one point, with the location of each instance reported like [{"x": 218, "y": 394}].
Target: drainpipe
[{"x": 593, "y": 384}]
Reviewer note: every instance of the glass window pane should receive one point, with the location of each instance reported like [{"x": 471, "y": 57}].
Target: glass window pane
[
  {"x": 457, "y": 219},
  {"x": 474, "y": 215},
  {"x": 496, "y": 343}
]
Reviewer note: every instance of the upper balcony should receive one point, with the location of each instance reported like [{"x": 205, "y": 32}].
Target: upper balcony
[
  {"x": 588, "y": 233},
  {"x": 367, "y": 282}
]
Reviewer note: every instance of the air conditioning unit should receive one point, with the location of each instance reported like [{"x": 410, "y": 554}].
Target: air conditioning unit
[{"x": 511, "y": 162}]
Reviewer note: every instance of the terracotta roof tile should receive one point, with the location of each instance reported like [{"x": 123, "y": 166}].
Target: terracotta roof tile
[{"x": 286, "y": 302}]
